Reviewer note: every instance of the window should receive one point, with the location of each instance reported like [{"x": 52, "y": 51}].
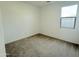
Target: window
[{"x": 68, "y": 16}]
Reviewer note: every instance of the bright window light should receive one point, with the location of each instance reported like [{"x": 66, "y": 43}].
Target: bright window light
[
  {"x": 69, "y": 11},
  {"x": 68, "y": 16}
]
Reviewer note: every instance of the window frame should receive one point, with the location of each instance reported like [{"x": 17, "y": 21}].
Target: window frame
[
  {"x": 75, "y": 17},
  {"x": 67, "y": 27}
]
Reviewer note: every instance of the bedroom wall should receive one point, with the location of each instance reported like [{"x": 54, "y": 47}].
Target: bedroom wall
[
  {"x": 20, "y": 20},
  {"x": 2, "y": 44},
  {"x": 50, "y": 22}
]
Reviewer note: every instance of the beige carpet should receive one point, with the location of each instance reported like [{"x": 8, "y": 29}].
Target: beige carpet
[{"x": 41, "y": 46}]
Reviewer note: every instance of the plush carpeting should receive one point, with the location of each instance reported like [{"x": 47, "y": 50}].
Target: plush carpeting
[{"x": 41, "y": 46}]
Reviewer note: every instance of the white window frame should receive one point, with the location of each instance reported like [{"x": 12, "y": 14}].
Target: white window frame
[{"x": 62, "y": 18}]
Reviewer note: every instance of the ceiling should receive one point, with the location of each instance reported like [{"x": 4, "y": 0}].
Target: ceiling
[{"x": 39, "y": 3}]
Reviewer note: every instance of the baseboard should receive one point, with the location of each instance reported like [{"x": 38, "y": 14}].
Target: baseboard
[
  {"x": 46, "y": 36},
  {"x": 21, "y": 38},
  {"x": 58, "y": 39}
]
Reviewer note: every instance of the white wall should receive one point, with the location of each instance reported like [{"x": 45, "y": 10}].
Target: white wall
[
  {"x": 22, "y": 20},
  {"x": 2, "y": 44},
  {"x": 50, "y": 23},
  {"x": 19, "y": 20}
]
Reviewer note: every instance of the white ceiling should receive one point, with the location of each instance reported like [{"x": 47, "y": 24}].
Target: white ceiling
[{"x": 39, "y": 3}]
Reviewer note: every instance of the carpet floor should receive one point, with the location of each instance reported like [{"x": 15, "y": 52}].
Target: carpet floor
[{"x": 41, "y": 46}]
